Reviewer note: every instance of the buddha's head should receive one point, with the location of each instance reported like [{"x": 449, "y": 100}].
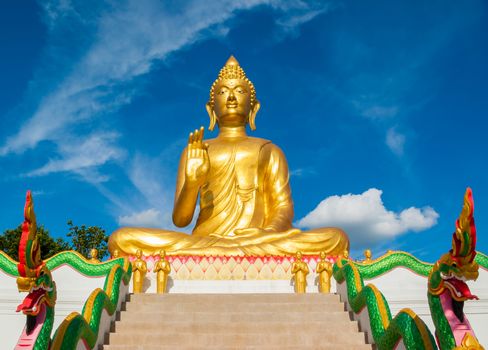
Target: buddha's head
[
  {"x": 367, "y": 254},
  {"x": 138, "y": 253},
  {"x": 115, "y": 254},
  {"x": 93, "y": 253},
  {"x": 232, "y": 98},
  {"x": 162, "y": 254},
  {"x": 322, "y": 255},
  {"x": 299, "y": 256}
]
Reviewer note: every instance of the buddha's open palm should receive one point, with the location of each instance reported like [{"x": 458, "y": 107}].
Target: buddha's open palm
[{"x": 197, "y": 162}]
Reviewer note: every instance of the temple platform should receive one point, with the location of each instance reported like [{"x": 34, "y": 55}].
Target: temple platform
[{"x": 220, "y": 274}]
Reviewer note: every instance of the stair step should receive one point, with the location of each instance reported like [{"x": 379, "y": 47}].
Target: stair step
[
  {"x": 237, "y": 339},
  {"x": 225, "y": 306},
  {"x": 287, "y": 326},
  {"x": 208, "y": 316},
  {"x": 247, "y": 347},
  {"x": 235, "y": 321},
  {"x": 248, "y": 297}
]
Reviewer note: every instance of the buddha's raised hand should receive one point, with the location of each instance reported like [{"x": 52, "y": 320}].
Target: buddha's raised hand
[{"x": 197, "y": 162}]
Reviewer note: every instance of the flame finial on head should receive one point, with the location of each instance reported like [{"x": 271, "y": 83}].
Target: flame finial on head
[
  {"x": 464, "y": 238},
  {"x": 29, "y": 247}
]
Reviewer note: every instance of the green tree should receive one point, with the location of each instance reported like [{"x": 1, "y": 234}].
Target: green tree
[
  {"x": 84, "y": 238},
  {"x": 10, "y": 239}
]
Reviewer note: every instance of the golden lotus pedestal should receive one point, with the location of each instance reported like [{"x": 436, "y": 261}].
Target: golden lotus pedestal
[{"x": 223, "y": 274}]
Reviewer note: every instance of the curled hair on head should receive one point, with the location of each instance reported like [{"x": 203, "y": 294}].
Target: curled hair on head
[{"x": 232, "y": 70}]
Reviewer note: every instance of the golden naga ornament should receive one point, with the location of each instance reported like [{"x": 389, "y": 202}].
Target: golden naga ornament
[{"x": 243, "y": 185}]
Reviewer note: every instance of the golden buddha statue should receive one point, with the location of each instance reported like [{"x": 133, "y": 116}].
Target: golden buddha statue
[
  {"x": 162, "y": 268},
  {"x": 324, "y": 269},
  {"x": 139, "y": 270},
  {"x": 115, "y": 254},
  {"x": 243, "y": 186},
  {"x": 367, "y": 256},
  {"x": 94, "y": 256},
  {"x": 299, "y": 270}
]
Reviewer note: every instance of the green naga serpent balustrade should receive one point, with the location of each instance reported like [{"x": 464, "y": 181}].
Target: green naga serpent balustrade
[
  {"x": 35, "y": 278},
  {"x": 446, "y": 292}
]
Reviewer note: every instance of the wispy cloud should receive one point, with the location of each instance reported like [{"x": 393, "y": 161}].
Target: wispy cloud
[
  {"x": 395, "y": 141},
  {"x": 379, "y": 112},
  {"x": 126, "y": 43},
  {"x": 78, "y": 155},
  {"x": 118, "y": 45},
  {"x": 301, "y": 172},
  {"x": 365, "y": 218}
]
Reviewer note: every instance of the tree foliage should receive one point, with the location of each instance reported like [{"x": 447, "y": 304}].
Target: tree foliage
[
  {"x": 84, "y": 238},
  {"x": 9, "y": 243}
]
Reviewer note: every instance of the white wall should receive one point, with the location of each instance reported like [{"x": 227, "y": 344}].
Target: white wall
[
  {"x": 73, "y": 289},
  {"x": 403, "y": 288}
]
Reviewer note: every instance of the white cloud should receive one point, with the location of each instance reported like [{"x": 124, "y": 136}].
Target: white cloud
[
  {"x": 301, "y": 172},
  {"x": 147, "y": 218},
  {"x": 78, "y": 155},
  {"x": 365, "y": 218},
  {"x": 379, "y": 112},
  {"x": 395, "y": 141},
  {"x": 154, "y": 183}
]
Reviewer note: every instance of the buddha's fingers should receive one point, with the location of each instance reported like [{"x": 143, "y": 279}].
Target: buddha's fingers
[
  {"x": 200, "y": 139},
  {"x": 189, "y": 147}
]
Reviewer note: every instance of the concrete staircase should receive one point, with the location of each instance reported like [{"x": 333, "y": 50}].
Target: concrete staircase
[{"x": 235, "y": 321}]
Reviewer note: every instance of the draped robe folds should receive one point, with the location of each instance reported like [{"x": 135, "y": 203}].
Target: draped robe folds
[{"x": 247, "y": 187}]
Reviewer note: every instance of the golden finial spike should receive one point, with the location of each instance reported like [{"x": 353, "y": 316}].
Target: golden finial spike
[{"x": 232, "y": 61}]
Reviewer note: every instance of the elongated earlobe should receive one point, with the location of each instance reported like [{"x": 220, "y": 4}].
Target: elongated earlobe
[
  {"x": 211, "y": 115},
  {"x": 252, "y": 115}
]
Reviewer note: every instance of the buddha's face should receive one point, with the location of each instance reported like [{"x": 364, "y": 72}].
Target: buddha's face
[
  {"x": 299, "y": 256},
  {"x": 322, "y": 255},
  {"x": 138, "y": 253},
  {"x": 232, "y": 102},
  {"x": 94, "y": 253}
]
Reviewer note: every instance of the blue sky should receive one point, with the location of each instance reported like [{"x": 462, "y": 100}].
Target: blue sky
[{"x": 379, "y": 106}]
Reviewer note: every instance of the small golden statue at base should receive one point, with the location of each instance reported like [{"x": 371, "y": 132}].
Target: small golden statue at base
[
  {"x": 324, "y": 269},
  {"x": 139, "y": 270},
  {"x": 163, "y": 269},
  {"x": 115, "y": 254},
  {"x": 367, "y": 256},
  {"x": 94, "y": 256},
  {"x": 300, "y": 271},
  {"x": 242, "y": 184}
]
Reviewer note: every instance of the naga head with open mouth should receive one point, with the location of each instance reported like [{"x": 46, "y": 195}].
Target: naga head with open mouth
[
  {"x": 448, "y": 277},
  {"x": 34, "y": 278}
]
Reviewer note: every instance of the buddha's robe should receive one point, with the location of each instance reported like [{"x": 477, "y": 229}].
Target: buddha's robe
[{"x": 247, "y": 187}]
